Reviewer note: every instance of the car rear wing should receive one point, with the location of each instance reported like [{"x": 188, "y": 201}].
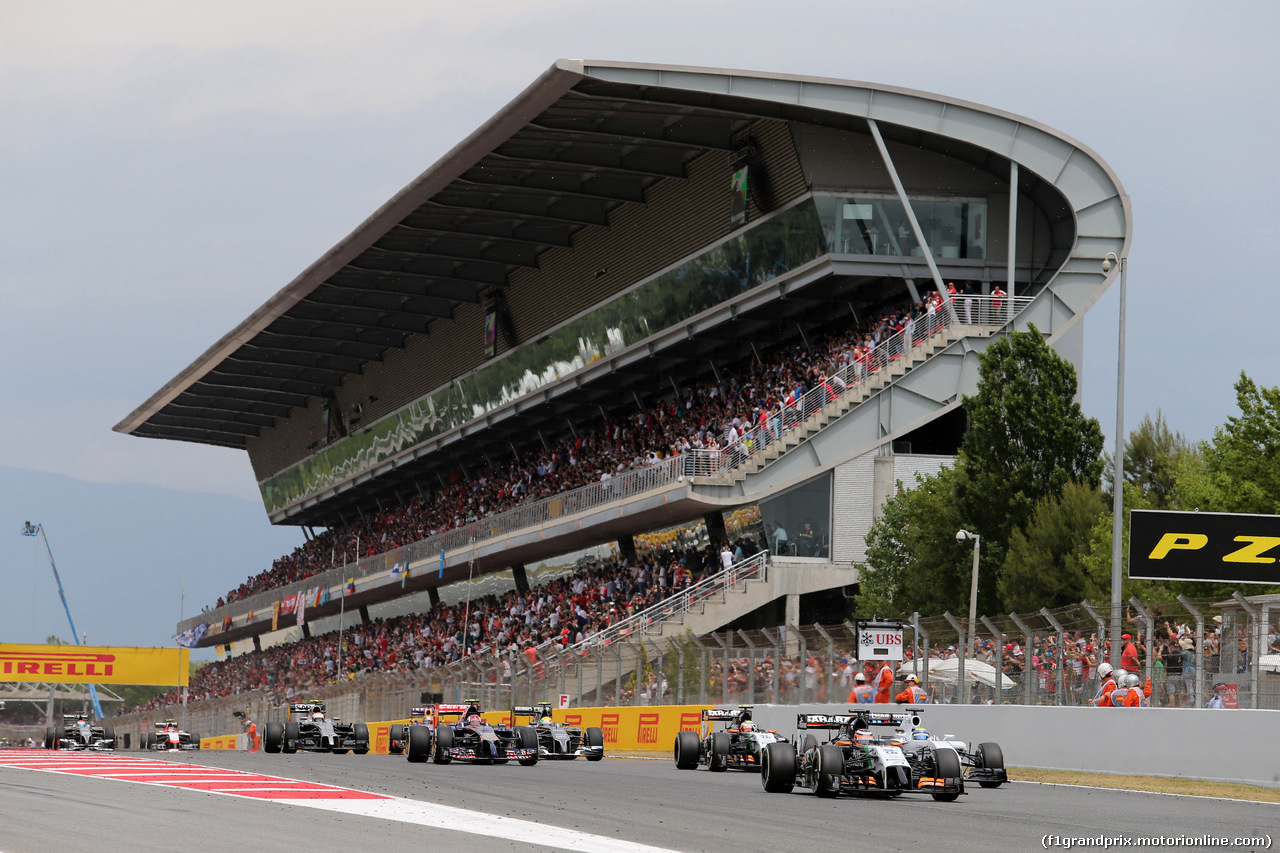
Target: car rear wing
[
  {"x": 420, "y": 712},
  {"x": 306, "y": 707},
  {"x": 835, "y": 721},
  {"x": 451, "y": 710},
  {"x": 531, "y": 710},
  {"x": 719, "y": 715}
]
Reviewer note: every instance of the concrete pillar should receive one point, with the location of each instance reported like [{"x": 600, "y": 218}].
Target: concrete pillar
[
  {"x": 792, "y": 620},
  {"x": 521, "y": 578},
  {"x": 883, "y": 482},
  {"x": 715, "y": 527},
  {"x": 306, "y": 630},
  {"x": 257, "y": 643},
  {"x": 364, "y": 613},
  {"x": 627, "y": 548},
  {"x": 434, "y": 594}
]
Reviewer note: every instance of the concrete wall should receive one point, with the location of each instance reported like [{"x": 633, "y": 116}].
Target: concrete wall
[{"x": 1193, "y": 743}]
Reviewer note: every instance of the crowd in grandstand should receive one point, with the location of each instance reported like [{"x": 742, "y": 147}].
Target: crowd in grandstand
[
  {"x": 709, "y": 415},
  {"x": 562, "y": 612}
]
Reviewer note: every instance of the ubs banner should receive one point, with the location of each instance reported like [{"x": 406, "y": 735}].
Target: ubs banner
[
  {"x": 94, "y": 665},
  {"x": 1204, "y": 546}
]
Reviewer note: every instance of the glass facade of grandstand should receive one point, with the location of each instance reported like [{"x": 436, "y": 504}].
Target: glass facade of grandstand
[{"x": 851, "y": 223}]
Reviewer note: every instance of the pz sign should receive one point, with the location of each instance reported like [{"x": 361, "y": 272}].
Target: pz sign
[{"x": 1204, "y": 546}]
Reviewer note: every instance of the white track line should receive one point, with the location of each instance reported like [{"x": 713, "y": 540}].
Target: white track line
[
  {"x": 238, "y": 783},
  {"x": 1140, "y": 791}
]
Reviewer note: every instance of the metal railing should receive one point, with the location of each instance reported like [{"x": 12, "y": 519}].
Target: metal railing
[{"x": 793, "y": 418}]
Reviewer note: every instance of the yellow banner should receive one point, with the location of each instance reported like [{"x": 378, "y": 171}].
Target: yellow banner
[{"x": 94, "y": 665}]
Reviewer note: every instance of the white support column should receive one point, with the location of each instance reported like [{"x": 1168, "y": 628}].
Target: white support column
[
  {"x": 911, "y": 217},
  {"x": 1013, "y": 231}
]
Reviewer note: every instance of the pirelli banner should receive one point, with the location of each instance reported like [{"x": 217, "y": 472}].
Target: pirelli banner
[
  {"x": 1218, "y": 547},
  {"x": 94, "y": 665}
]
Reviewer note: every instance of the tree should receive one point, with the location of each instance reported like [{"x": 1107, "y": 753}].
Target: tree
[
  {"x": 1043, "y": 566},
  {"x": 1151, "y": 456},
  {"x": 913, "y": 560},
  {"x": 1243, "y": 459},
  {"x": 1027, "y": 437}
]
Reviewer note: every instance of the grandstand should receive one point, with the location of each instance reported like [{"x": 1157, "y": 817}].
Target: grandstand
[{"x": 598, "y": 281}]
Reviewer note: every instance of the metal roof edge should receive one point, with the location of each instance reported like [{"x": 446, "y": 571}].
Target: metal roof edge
[{"x": 544, "y": 91}]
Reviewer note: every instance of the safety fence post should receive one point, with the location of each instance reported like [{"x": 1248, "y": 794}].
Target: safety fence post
[
  {"x": 999, "y": 638},
  {"x": 962, "y": 688},
  {"x": 1028, "y": 672},
  {"x": 1060, "y": 661}
]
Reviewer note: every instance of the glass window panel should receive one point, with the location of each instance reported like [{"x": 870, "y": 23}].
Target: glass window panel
[{"x": 798, "y": 523}]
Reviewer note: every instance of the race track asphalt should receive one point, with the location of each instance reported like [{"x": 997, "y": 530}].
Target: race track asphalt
[{"x": 644, "y": 801}]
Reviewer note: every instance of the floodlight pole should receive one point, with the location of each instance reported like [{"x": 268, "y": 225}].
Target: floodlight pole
[
  {"x": 31, "y": 530},
  {"x": 1117, "y": 485}
]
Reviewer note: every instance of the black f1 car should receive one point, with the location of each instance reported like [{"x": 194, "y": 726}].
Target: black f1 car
[
  {"x": 856, "y": 760},
  {"x": 739, "y": 744},
  {"x": 561, "y": 741},
  {"x": 168, "y": 737},
  {"x": 77, "y": 733},
  {"x": 312, "y": 731},
  {"x": 398, "y": 741},
  {"x": 470, "y": 739}
]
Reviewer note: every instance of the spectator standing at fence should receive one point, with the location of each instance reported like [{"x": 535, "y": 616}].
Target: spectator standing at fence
[
  {"x": 1128, "y": 653},
  {"x": 997, "y": 300},
  {"x": 1216, "y": 702},
  {"x": 726, "y": 555}
]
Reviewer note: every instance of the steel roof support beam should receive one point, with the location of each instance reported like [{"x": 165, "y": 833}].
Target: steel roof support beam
[
  {"x": 312, "y": 361},
  {"x": 454, "y": 256},
  {"x": 362, "y": 351},
  {"x": 379, "y": 305},
  {"x": 481, "y": 236},
  {"x": 911, "y": 217},
  {"x": 600, "y": 133},
  {"x": 509, "y": 214},
  {"x": 459, "y": 289},
  {"x": 187, "y": 400},
  {"x": 582, "y": 178},
  {"x": 236, "y": 366},
  {"x": 558, "y": 159}
]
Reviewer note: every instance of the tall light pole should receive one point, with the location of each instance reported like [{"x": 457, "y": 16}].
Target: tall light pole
[
  {"x": 962, "y": 535},
  {"x": 30, "y": 529},
  {"x": 1117, "y": 482}
]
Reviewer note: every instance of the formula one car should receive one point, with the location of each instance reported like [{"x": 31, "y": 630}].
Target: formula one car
[
  {"x": 312, "y": 731},
  {"x": 983, "y": 764},
  {"x": 739, "y": 744},
  {"x": 470, "y": 739},
  {"x": 169, "y": 738},
  {"x": 855, "y": 760},
  {"x": 77, "y": 733},
  {"x": 399, "y": 739},
  {"x": 559, "y": 740}
]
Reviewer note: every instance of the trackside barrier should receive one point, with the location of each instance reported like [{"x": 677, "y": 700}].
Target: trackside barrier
[
  {"x": 240, "y": 742},
  {"x": 1097, "y": 740}
]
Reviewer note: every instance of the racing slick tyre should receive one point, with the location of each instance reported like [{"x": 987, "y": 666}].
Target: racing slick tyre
[
  {"x": 991, "y": 757},
  {"x": 397, "y": 733},
  {"x": 195, "y": 740},
  {"x": 687, "y": 747},
  {"x": 594, "y": 737},
  {"x": 778, "y": 768},
  {"x": 810, "y": 742},
  {"x": 109, "y": 733},
  {"x": 418, "y": 744},
  {"x": 528, "y": 740},
  {"x": 49, "y": 739},
  {"x": 947, "y": 765},
  {"x": 290, "y": 745},
  {"x": 829, "y": 769},
  {"x": 272, "y": 737},
  {"x": 340, "y": 751},
  {"x": 362, "y": 739},
  {"x": 720, "y": 749},
  {"x": 444, "y": 742}
]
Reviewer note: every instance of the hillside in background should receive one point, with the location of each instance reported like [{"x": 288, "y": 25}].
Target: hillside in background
[{"x": 122, "y": 552}]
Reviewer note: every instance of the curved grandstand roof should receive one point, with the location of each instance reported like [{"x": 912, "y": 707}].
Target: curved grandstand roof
[{"x": 582, "y": 140}]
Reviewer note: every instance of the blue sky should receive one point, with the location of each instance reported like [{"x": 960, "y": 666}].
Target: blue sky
[{"x": 165, "y": 168}]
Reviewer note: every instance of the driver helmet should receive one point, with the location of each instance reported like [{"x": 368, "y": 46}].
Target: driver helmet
[
  {"x": 475, "y": 720},
  {"x": 317, "y": 715},
  {"x": 863, "y": 737},
  {"x": 82, "y": 723},
  {"x": 1104, "y": 669},
  {"x": 919, "y": 734},
  {"x": 747, "y": 726},
  {"x": 1131, "y": 680},
  {"x": 911, "y": 679},
  {"x": 546, "y": 719}
]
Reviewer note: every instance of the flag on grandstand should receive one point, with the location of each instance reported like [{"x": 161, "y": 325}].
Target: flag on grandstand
[
  {"x": 318, "y": 596},
  {"x": 275, "y": 616},
  {"x": 302, "y": 608},
  {"x": 400, "y": 572},
  {"x": 324, "y": 596},
  {"x": 290, "y": 604},
  {"x": 188, "y": 638},
  {"x": 441, "y": 562},
  {"x": 350, "y": 588}
]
